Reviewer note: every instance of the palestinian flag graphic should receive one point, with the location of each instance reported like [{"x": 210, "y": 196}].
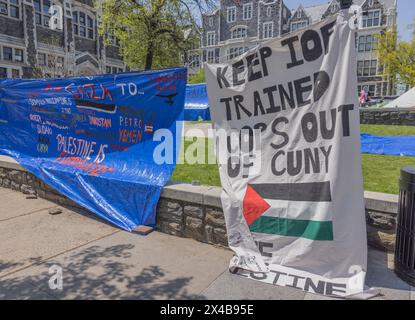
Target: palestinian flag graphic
[{"x": 259, "y": 198}]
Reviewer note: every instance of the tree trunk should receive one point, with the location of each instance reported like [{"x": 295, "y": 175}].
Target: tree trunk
[{"x": 149, "y": 56}]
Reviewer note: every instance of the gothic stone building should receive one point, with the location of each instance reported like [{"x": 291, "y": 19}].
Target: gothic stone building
[
  {"x": 238, "y": 25},
  {"x": 30, "y": 48}
]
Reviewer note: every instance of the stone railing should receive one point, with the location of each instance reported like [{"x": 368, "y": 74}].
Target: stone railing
[
  {"x": 403, "y": 117},
  {"x": 196, "y": 212},
  {"x": 381, "y": 219}
]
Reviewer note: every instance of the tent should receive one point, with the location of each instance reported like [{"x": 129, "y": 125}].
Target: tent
[
  {"x": 196, "y": 105},
  {"x": 406, "y": 100}
]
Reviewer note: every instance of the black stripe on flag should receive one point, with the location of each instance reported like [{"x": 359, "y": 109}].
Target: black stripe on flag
[
  {"x": 95, "y": 105},
  {"x": 312, "y": 192}
]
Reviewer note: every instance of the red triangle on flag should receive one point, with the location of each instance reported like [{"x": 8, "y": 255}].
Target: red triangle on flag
[{"x": 253, "y": 205}]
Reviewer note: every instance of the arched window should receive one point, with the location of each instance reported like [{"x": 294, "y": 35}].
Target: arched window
[
  {"x": 83, "y": 25},
  {"x": 269, "y": 11},
  {"x": 239, "y": 32}
]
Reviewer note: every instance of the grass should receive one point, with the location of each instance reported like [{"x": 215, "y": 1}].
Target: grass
[
  {"x": 380, "y": 173},
  {"x": 383, "y": 130},
  {"x": 206, "y": 174}
]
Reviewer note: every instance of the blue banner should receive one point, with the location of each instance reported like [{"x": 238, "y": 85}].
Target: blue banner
[
  {"x": 391, "y": 146},
  {"x": 91, "y": 138},
  {"x": 196, "y": 103}
]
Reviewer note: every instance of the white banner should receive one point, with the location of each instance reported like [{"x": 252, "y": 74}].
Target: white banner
[{"x": 287, "y": 128}]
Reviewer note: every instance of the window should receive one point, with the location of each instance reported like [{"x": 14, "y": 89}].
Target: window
[
  {"x": 83, "y": 25},
  {"x": 239, "y": 32},
  {"x": 334, "y": 8},
  {"x": 369, "y": 88},
  {"x": 3, "y": 8},
  {"x": 51, "y": 61},
  {"x": 42, "y": 15},
  {"x": 372, "y": 19},
  {"x": 10, "y": 8},
  {"x": 6, "y": 72},
  {"x": 367, "y": 43},
  {"x": 370, "y": 3},
  {"x": 60, "y": 61},
  {"x": 298, "y": 25},
  {"x": 3, "y": 72},
  {"x": 366, "y": 68},
  {"x": 235, "y": 52},
  {"x": 41, "y": 59},
  {"x": 194, "y": 61},
  {"x": 7, "y": 53},
  {"x": 18, "y": 55},
  {"x": 247, "y": 11},
  {"x": 269, "y": 10},
  {"x": 15, "y": 73},
  {"x": 113, "y": 69},
  {"x": 210, "y": 22},
  {"x": 211, "y": 56},
  {"x": 268, "y": 30},
  {"x": 210, "y": 38},
  {"x": 361, "y": 44},
  {"x": 9, "y": 56},
  {"x": 231, "y": 14},
  {"x": 114, "y": 40}
]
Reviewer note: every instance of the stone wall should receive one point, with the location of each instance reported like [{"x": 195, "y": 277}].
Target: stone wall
[
  {"x": 381, "y": 220},
  {"x": 403, "y": 117},
  {"x": 195, "y": 211},
  {"x": 205, "y": 224},
  {"x": 177, "y": 215}
]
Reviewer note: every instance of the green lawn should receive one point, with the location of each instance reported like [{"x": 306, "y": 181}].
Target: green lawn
[
  {"x": 380, "y": 173},
  {"x": 381, "y": 130}
]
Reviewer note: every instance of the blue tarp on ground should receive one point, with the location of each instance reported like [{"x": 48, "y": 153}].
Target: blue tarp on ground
[
  {"x": 393, "y": 146},
  {"x": 91, "y": 138},
  {"x": 196, "y": 105}
]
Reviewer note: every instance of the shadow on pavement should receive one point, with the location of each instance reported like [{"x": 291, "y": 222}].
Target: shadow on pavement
[
  {"x": 380, "y": 274},
  {"x": 96, "y": 273}
]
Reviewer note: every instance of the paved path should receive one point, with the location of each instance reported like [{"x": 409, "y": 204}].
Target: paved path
[{"x": 102, "y": 262}]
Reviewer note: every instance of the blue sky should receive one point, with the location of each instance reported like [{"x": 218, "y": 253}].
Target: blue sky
[{"x": 406, "y": 13}]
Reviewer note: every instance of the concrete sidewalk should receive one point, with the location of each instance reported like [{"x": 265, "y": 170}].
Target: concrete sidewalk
[{"x": 99, "y": 261}]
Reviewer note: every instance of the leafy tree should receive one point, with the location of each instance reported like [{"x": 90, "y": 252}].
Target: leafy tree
[
  {"x": 151, "y": 33},
  {"x": 198, "y": 77},
  {"x": 397, "y": 57}
]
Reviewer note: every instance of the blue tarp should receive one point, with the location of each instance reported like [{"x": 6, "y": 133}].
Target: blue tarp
[
  {"x": 91, "y": 138},
  {"x": 196, "y": 105},
  {"x": 393, "y": 146}
]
